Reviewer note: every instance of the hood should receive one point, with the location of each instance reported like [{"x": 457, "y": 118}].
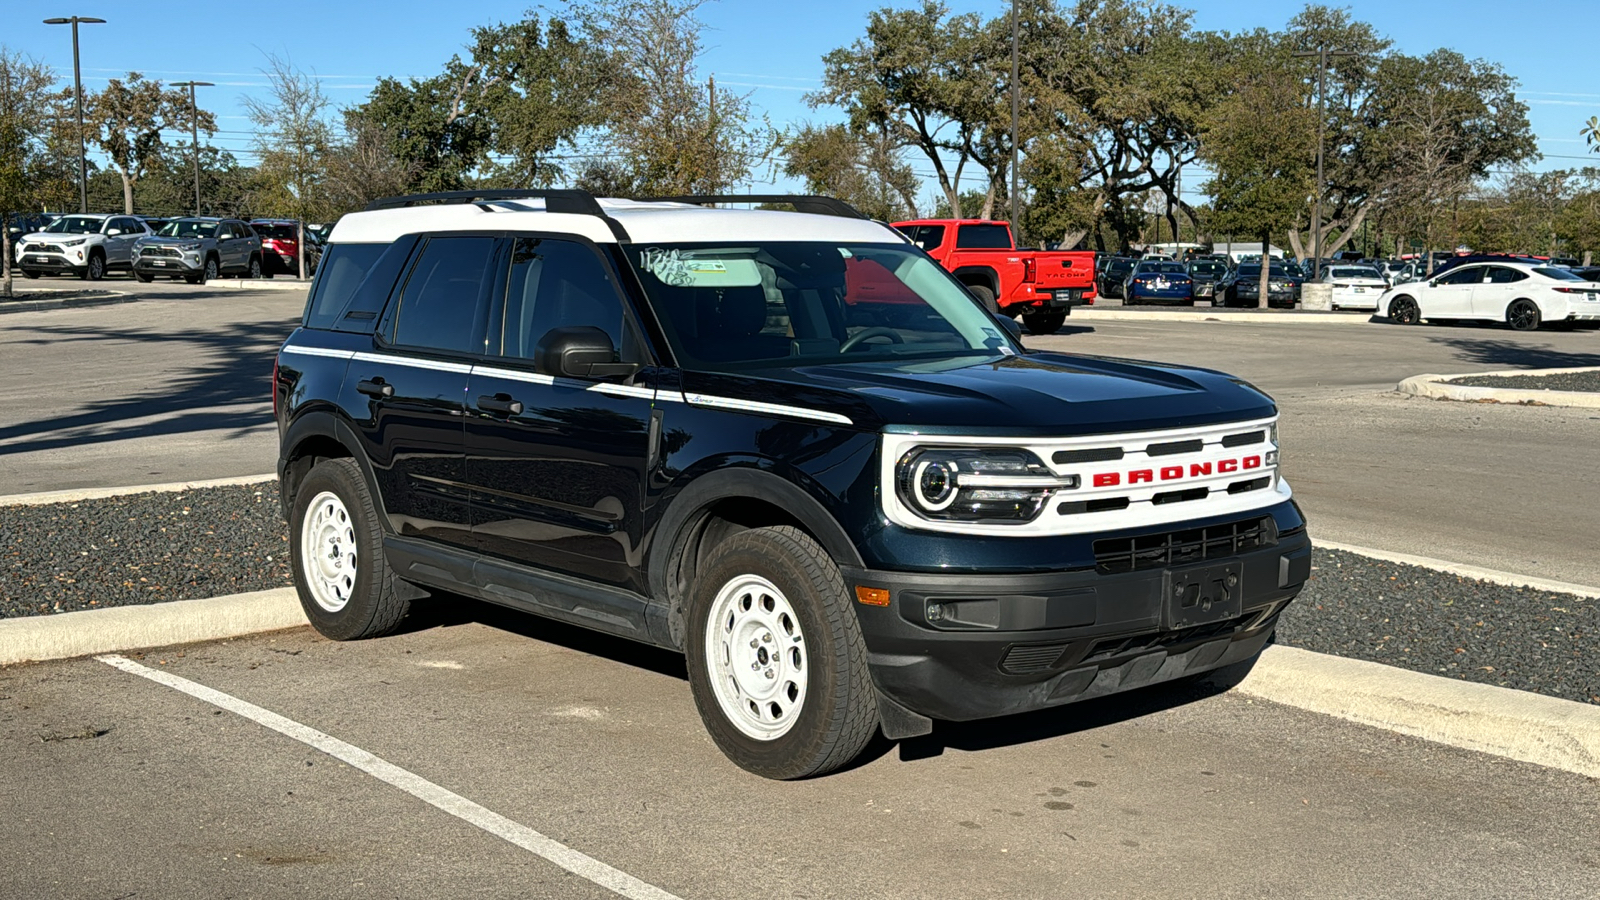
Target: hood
[
  {"x": 163, "y": 239},
  {"x": 1053, "y": 394},
  {"x": 48, "y": 237}
]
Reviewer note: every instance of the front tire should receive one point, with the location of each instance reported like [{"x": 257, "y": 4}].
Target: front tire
[
  {"x": 1523, "y": 315},
  {"x": 142, "y": 278},
  {"x": 336, "y": 551},
  {"x": 96, "y": 269},
  {"x": 777, "y": 664}
]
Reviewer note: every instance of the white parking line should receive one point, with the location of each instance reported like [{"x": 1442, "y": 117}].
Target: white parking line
[{"x": 573, "y": 861}]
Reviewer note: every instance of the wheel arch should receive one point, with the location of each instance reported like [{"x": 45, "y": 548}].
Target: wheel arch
[
  {"x": 316, "y": 435},
  {"x": 722, "y": 503},
  {"x": 979, "y": 276}
]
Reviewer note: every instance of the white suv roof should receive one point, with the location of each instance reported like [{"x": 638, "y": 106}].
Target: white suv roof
[{"x": 646, "y": 221}]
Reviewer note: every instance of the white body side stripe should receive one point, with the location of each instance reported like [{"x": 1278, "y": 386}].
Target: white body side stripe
[
  {"x": 771, "y": 409},
  {"x": 319, "y": 351}
]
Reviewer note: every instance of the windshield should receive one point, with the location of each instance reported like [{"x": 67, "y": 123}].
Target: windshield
[
  {"x": 737, "y": 307},
  {"x": 1248, "y": 271},
  {"x": 1353, "y": 272},
  {"x": 276, "y": 231},
  {"x": 75, "y": 225},
  {"x": 188, "y": 228},
  {"x": 1557, "y": 274},
  {"x": 1120, "y": 266}
]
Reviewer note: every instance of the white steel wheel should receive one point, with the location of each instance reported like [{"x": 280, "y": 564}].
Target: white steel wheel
[
  {"x": 328, "y": 551},
  {"x": 757, "y": 656}
]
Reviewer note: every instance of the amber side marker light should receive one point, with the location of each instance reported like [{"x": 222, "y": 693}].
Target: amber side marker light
[{"x": 873, "y": 596}]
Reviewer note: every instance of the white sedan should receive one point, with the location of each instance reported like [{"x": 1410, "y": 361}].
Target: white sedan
[
  {"x": 1354, "y": 287},
  {"x": 1519, "y": 294}
]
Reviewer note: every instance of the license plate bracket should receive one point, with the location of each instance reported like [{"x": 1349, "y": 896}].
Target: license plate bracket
[{"x": 1201, "y": 595}]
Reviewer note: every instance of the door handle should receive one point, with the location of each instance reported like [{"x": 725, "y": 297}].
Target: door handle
[
  {"x": 501, "y": 404},
  {"x": 375, "y": 387}
]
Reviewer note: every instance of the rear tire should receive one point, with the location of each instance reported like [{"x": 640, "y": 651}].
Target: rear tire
[
  {"x": 142, "y": 278},
  {"x": 336, "y": 552},
  {"x": 1404, "y": 311},
  {"x": 985, "y": 296},
  {"x": 1523, "y": 315},
  {"x": 1044, "y": 323},
  {"x": 777, "y": 664},
  {"x": 255, "y": 267}
]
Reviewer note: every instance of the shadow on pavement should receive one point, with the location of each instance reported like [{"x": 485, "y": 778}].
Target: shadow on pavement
[
  {"x": 446, "y": 610},
  {"x": 230, "y": 366},
  {"x": 1515, "y": 355}
]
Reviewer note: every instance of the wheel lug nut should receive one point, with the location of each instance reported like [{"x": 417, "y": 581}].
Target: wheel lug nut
[
  {"x": 770, "y": 674},
  {"x": 752, "y": 643},
  {"x": 766, "y": 638},
  {"x": 755, "y": 667}
]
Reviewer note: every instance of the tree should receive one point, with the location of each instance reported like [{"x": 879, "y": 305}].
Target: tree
[
  {"x": 125, "y": 122},
  {"x": 427, "y": 131},
  {"x": 1591, "y": 134},
  {"x": 1256, "y": 141},
  {"x": 27, "y": 103},
  {"x": 863, "y": 170},
  {"x": 667, "y": 131},
  {"x": 362, "y": 167},
  {"x": 293, "y": 140},
  {"x": 928, "y": 80}
]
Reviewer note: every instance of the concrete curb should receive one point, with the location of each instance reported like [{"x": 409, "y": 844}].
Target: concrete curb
[
  {"x": 1514, "y": 724},
  {"x": 1493, "y": 576},
  {"x": 74, "y": 496},
  {"x": 259, "y": 284},
  {"x": 20, "y": 306},
  {"x": 87, "y": 632},
  {"x": 1260, "y": 317},
  {"x": 1435, "y": 388}
]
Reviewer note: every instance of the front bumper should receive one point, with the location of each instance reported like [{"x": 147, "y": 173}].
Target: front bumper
[
  {"x": 1003, "y": 644},
  {"x": 167, "y": 265},
  {"x": 49, "y": 264}
]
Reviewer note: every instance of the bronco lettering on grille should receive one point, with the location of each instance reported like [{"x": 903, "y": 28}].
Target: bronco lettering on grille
[{"x": 1176, "y": 473}]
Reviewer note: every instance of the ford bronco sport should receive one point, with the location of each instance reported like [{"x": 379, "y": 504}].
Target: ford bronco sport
[{"x": 852, "y": 513}]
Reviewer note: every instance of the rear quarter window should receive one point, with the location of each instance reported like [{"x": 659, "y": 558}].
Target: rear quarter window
[{"x": 343, "y": 268}]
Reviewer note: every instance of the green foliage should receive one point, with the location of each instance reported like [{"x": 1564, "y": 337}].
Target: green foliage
[
  {"x": 864, "y": 171},
  {"x": 125, "y": 122}
]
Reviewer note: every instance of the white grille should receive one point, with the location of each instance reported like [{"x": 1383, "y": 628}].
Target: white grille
[{"x": 1125, "y": 480}]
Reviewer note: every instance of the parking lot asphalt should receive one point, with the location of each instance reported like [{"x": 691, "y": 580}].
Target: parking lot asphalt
[
  {"x": 121, "y": 787},
  {"x": 175, "y": 387}
]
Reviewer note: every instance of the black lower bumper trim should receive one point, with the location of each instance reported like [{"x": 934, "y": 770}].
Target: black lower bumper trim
[{"x": 963, "y": 647}]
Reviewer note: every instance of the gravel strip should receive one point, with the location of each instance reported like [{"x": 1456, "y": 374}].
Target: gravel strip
[
  {"x": 150, "y": 548},
  {"x": 1565, "y": 381},
  {"x": 1444, "y": 624},
  {"x": 141, "y": 548}
]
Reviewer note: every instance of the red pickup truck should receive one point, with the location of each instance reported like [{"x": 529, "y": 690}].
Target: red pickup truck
[{"x": 1042, "y": 286}]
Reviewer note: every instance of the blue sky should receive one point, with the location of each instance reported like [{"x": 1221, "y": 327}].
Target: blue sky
[{"x": 772, "y": 50}]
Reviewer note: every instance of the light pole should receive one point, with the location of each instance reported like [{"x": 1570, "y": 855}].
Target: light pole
[
  {"x": 1322, "y": 53},
  {"x": 77, "y": 96},
  {"x": 1014, "y": 103},
  {"x": 194, "y": 133}
]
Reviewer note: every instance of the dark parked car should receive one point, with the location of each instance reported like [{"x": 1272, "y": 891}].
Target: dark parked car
[
  {"x": 280, "y": 243},
  {"x": 1243, "y": 287},
  {"x": 1115, "y": 275},
  {"x": 1206, "y": 275}
]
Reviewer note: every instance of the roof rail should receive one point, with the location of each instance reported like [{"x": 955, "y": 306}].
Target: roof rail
[
  {"x": 805, "y": 203},
  {"x": 573, "y": 201}
]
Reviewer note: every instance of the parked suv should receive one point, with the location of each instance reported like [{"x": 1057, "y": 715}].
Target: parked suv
[
  {"x": 87, "y": 246},
  {"x": 675, "y": 424},
  {"x": 198, "y": 249},
  {"x": 280, "y": 247}
]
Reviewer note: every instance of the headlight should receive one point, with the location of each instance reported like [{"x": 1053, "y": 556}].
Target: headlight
[
  {"x": 73, "y": 243},
  {"x": 1273, "y": 455},
  {"x": 188, "y": 248},
  {"x": 1003, "y": 486}
]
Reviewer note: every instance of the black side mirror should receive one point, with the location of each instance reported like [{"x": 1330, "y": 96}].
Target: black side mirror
[
  {"x": 579, "y": 351},
  {"x": 1010, "y": 325}
]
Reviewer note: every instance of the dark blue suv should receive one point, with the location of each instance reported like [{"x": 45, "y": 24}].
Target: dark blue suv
[{"x": 786, "y": 444}]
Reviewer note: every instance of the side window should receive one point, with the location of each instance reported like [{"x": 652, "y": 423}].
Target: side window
[
  {"x": 926, "y": 237},
  {"x": 1468, "y": 275},
  {"x": 1503, "y": 275},
  {"x": 554, "y": 284},
  {"x": 343, "y": 267},
  {"x": 440, "y": 306},
  {"x": 224, "y": 231}
]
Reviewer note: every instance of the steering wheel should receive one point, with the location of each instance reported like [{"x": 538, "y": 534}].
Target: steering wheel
[{"x": 864, "y": 334}]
